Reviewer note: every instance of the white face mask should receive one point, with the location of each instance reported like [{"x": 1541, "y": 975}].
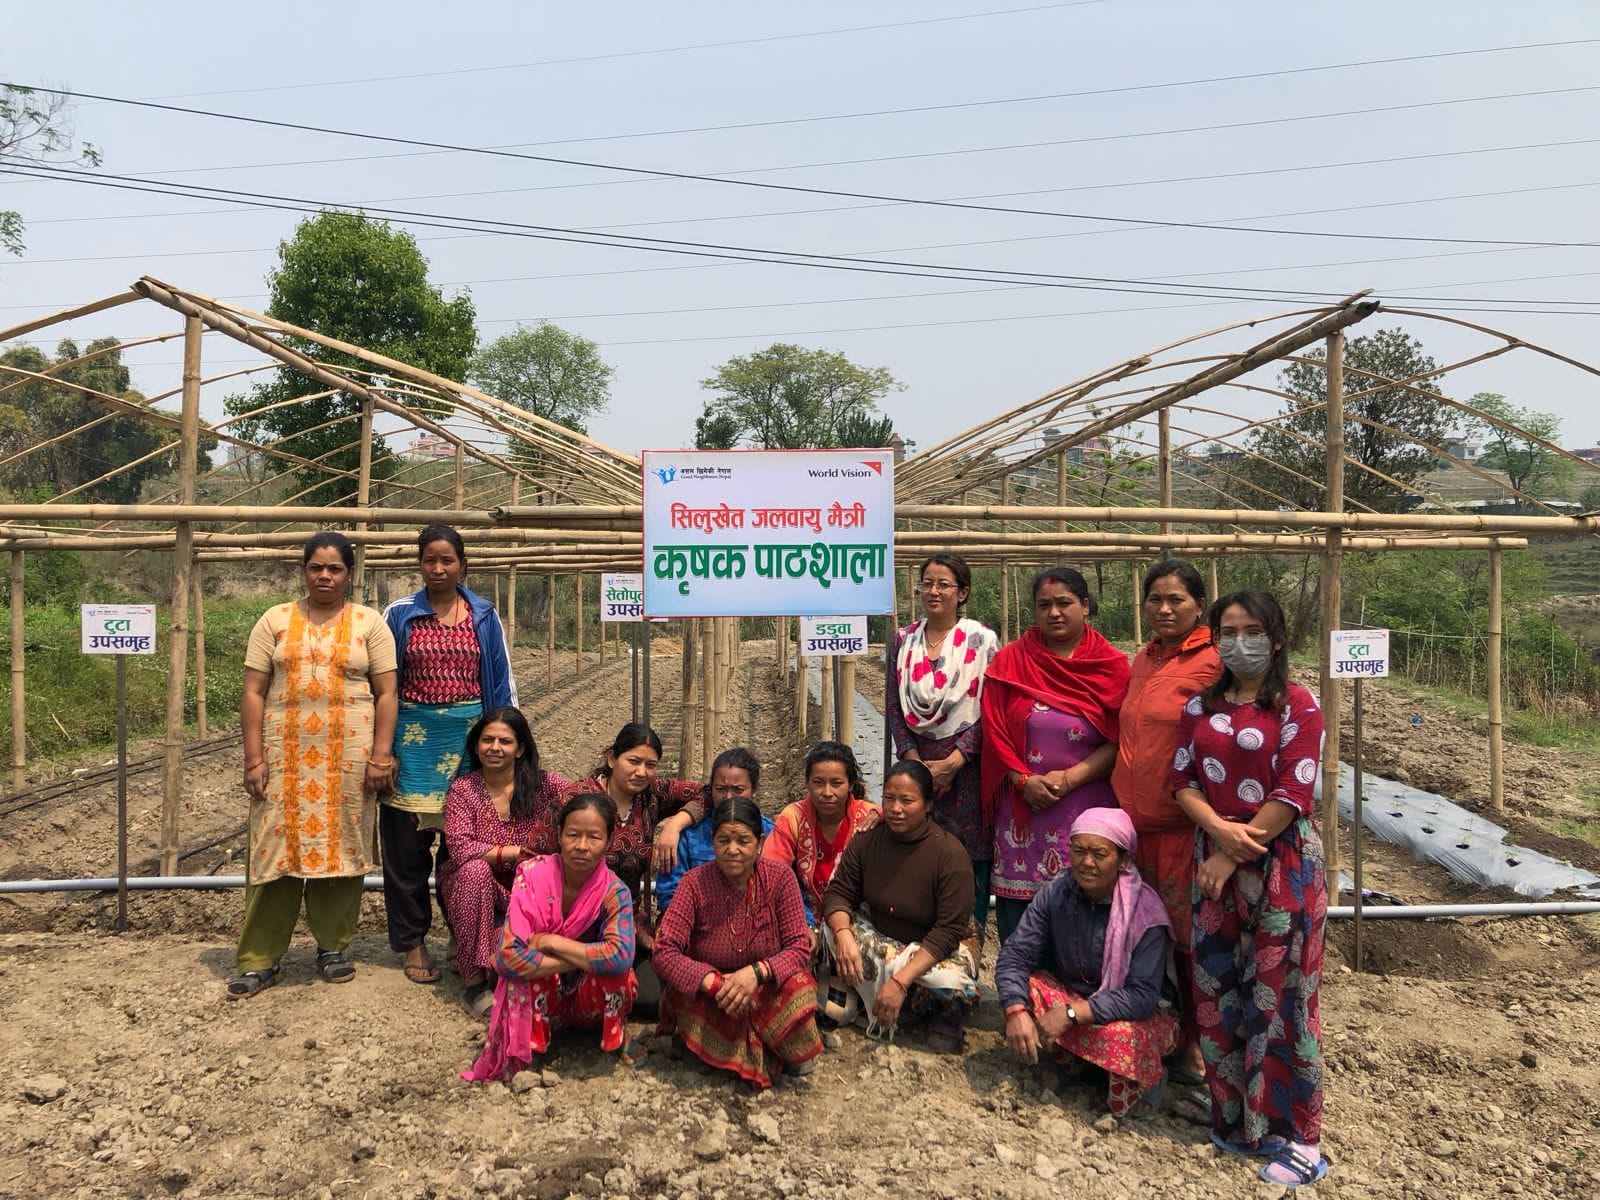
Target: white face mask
[{"x": 1247, "y": 657}]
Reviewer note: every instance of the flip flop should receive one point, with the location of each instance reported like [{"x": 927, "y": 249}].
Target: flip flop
[
  {"x": 1298, "y": 1165},
  {"x": 422, "y": 972},
  {"x": 1265, "y": 1149}
]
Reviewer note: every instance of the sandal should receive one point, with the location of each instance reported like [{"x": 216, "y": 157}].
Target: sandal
[
  {"x": 1266, "y": 1148},
  {"x": 248, "y": 983},
  {"x": 634, "y": 1053},
  {"x": 422, "y": 972},
  {"x": 1300, "y": 1168},
  {"x": 1192, "y": 1105},
  {"x": 334, "y": 967},
  {"x": 478, "y": 1000}
]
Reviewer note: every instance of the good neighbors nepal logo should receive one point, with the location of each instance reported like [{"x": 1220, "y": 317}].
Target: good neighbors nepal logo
[{"x": 670, "y": 474}]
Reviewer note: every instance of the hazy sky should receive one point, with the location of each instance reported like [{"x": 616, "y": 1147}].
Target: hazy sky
[{"x": 1109, "y": 108}]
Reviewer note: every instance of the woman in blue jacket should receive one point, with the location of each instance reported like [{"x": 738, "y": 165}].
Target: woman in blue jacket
[{"x": 454, "y": 665}]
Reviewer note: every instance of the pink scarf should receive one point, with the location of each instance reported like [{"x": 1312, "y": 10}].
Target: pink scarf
[
  {"x": 1135, "y": 907},
  {"x": 535, "y": 908}
]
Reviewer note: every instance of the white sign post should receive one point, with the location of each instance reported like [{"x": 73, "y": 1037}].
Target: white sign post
[
  {"x": 825, "y": 636},
  {"x": 766, "y": 533},
  {"x": 120, "y": 630},
  {"x": 1358, "y": 654},
  {"x": 622, "y": 601}
]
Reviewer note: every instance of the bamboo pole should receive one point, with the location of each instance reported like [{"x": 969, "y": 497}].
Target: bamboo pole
[
  {"x": 511, "y": 581},
  {"x": 802, "y": 689},
  {"x": 364, "y": 498},
  {"x": 182, "y": 573},
  {"x": 1061, "y": 487},
  {"x": 1497, "y": 782},
  {"x": 1332, "y": 596},
  {"x": 708, "y": 686},
  {"x": 19, "y": 670},
  {"x": 847, "y": 710},
  {"x": 1216, "y": 594},
  {"x": 1138, "y": 606},
  {"x": 577, "y": 650},
  {"x": 688, "y": 758},
  {"x": 825, "y": 726},
  {"x": 1164, "y": 463},
  {"x": 461, "y": 475},
  {"x": 1005, "y": 573},
  {"x": 198, "y": 604},
  {"x": 550, "y": 634}
]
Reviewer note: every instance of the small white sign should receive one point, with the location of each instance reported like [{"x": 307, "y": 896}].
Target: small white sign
[
  {"x": 1359, "y": 654},
  {"x": 833, "y": 635},
  {"x": 119, "y": 628},
  {"x": 621, "y": 597}
]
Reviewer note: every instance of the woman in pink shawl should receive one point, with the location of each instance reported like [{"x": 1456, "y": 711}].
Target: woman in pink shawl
[
  {"x": 566, "y": 956},
  {"x": 1084, "y": 977}
]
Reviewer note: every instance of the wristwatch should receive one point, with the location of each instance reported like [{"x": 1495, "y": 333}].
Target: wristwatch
[{"x": 1072, "y": 1015}]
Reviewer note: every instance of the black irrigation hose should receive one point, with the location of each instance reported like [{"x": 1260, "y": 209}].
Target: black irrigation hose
[{"x": 45, "y": 792}]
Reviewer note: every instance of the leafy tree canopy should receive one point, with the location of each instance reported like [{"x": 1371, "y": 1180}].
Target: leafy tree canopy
[
  {"x": 547, "y": 371},
  {"x": 34, "y": 412},
  {"x": 1388, "y": 429},
  {"x": 360, "y": 281},
  {"x": 787, "y": 397},
  {"x": 34, "y": 129},
  {"x": 1529, "y": 466}
]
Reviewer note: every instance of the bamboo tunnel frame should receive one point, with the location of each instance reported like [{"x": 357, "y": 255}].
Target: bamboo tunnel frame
[{"x": 585, "y": 519}]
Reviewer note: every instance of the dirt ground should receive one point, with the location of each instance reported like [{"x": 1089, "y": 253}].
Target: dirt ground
[{"x": 1461, "y": 1064}]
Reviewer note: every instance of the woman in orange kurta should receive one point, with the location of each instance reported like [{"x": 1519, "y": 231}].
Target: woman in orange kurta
[
  {"x": 1178, "y": 663},
  {"x": 318, "y": 716}
]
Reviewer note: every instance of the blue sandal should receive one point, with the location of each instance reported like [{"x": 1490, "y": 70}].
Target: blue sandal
[
  {"x": 1298, "y": 1165},
  {"x": 1270, "y": 1148}
]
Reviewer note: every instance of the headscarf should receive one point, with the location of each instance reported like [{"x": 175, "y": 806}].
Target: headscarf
[
  {"x": 535, "y": 908},
  {"x": 1135, "y": 907},
  {"x": 1091, "y": 684},
  {"x": 939, "y": 702}
]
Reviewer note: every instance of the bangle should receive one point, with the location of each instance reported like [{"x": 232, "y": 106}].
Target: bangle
[
  {"x": 899, "y": 983},
  {"x": 251, "y": 766},
  {"x": 1013, "y": 1009},
  {"x": 716, "y": 983},
  {"x": 380, "y": 762},
  {"x": 1022, "y": 780}
]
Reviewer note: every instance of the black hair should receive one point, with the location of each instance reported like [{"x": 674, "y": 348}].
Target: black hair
[
  {"x": 919, "y": 774},
  {"x": 1184, "y": 570},
  {"x": 527, "y": 777},
  {"x": 953, "y": 563},
  {"x": 1068, "y": 577},
  {"x": 634, "y": 733},
  {"x": 1264, "y": 607},
  {"x": 740, "y": 759},
  {"x": 599, "y": 801},
  {"x": 737, "y": 810},
  {"x": 840, "y": 753},
  {"x": 441, "y": 533},
  {"x": 325, "y": 539}
]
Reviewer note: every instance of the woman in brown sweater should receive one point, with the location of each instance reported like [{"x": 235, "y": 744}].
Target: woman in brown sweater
[{"x": 897, "y": 910}]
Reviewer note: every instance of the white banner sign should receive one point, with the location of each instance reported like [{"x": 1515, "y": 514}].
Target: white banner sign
[
  {"x": 764, "y": 533},
  {"x": 833, "y": 635},
  {"x": 1359, "y": 654},
  {"x": 621, "y": 597},
  {"x": 119, "y": 628}
]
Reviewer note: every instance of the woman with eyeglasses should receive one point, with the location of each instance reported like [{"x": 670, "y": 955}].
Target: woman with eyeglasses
[
  {"x": 1050, "y": 730},
  {"x": 933, "y": 707}
]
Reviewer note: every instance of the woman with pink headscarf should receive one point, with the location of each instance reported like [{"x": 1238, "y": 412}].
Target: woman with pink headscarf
[{"x": 1084, "y": 977}]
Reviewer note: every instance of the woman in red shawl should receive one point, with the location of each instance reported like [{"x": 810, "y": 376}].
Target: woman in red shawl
[{"x": 1050, "y": 702}]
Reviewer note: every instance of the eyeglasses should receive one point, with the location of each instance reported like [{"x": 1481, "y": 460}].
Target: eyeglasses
[{"x": 937, "y": 585}]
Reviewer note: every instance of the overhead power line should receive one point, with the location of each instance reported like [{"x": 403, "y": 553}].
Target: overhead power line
[{"x": 855, "y": 195}]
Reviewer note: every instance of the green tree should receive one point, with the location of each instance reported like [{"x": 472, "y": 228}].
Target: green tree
[
  {"x": 43, "y": 411},
  {"x": 787, "y": 397},
  {"x": 34, "y": 129},
  {"x": 1387, "y": 429},
  {"x": 1528, "y": 464},
  {"x": 547, "y": 371},
  {"x": 362, "y": 282}
]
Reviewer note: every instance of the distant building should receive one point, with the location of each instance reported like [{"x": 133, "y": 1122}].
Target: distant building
[
  {"x": 429, "y": 446},
  {"x": 1464, "y": 448},
  {"x": 1591, "y": 455}
]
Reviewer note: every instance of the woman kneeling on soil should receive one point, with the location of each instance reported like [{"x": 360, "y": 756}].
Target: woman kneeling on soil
[
  {"x": 1082, "y": 975},
  {"x": 490, "y": 813},
  {"x": 811, "y": 834},
  {"x": 566, "y": 957},
  {"x": 732, "y": 951},
  {"x": 897, "y": 909}
]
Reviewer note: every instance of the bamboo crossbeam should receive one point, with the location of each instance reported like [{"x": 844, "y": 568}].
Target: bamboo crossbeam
[
  {"x": 1298, "y": 518},
  {"x": 67, "y": 314}
]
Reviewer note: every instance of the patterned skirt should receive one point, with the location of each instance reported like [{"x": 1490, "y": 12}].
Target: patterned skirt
[
  {"x": 780, "y": 1029},
  {"x": 528, "y": 1011},
  {"x": 948, "y": 991},
  {"x": 1128, "y": 1051}
]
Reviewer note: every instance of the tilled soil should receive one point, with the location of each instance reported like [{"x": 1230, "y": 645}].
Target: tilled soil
[{"x": 1461, "y": 1064}]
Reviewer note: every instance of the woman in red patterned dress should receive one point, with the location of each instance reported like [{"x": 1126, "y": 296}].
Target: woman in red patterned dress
[
  {"x": 810, "y": 835},
  {"x": 732, "y": 951}
]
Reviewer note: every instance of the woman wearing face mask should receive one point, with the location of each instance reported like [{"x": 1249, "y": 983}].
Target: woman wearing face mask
[
  {"x": 1050, "y": 730},
  {"x": 1179, "y": 662},
  {"x": 1249, "y": 749},
  {"x": 732, "y": 953}
]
